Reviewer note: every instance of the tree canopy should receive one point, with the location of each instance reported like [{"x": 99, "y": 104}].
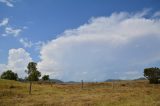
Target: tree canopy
[
  {"x": 9, "y": 75},
  {"x": 152, "y": 74},
  {"x": 45, "y": 77},
  {"x": 33, "y": 73}
]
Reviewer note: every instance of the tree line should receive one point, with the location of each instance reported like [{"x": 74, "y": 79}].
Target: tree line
[
  {"x": 33, "y": 74},
  {"x": 152, "y": 74}
]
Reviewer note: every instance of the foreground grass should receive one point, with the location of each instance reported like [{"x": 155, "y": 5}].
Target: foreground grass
[{"x": 123, "y": 93}]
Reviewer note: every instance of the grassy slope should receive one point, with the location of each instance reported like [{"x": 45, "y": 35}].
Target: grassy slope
[{"x": 124, "y": 93}]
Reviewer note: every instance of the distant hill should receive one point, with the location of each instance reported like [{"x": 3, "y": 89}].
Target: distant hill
[
  {"x": 51, "y": 80},
  {"x": 110, "y": 80},
  {"x": 71, "y": 82},
  {"x": 141, "y": 78},
  {"x": 56, "y": 81}
]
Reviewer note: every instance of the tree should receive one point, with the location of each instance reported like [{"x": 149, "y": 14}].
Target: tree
[
  {"x": 45, "y": 77},
  {"x": 9, "y": 75},
  {"x": 33, "y": 74},
  {"x": 152, "y": 74}
]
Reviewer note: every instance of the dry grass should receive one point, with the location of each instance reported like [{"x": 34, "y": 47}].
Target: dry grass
[{"x": 123, "y": 93}]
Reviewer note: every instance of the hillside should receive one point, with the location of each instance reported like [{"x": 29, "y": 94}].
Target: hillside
[{"x": 120, "y": 93}]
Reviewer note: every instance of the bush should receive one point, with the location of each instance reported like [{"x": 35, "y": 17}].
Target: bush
[
  {"x": 9, "y": 75},
  {"x": 45, "y": 77},
  {"x": 152, "y": 74}
]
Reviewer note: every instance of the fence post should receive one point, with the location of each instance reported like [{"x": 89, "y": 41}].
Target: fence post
[
  {"x": 82, "y": 84},
  {"x": 112, "y": 84}
]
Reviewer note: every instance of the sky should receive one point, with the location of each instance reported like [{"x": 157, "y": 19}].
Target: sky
[{"x": 74, "y": 40}]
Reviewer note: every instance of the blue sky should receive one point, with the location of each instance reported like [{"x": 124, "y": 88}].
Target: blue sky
[
  {"x": 33, "y": 23},
  {"x": 46, "y": 19}
]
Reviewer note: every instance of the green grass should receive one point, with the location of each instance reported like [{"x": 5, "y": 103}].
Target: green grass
[{"x": 124, "y": 93}]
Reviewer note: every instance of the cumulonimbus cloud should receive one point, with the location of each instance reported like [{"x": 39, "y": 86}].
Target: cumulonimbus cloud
[{"x": 117, "y": 46}]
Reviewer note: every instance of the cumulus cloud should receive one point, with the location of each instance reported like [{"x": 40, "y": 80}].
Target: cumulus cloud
[
  {"x": 8, "y": 3},
  {"x": 25, "y": 42},
  {"x": 18, "y": 60},
  {"x": 118, "y": 46},
  {"x": 12, "y": 31},
  {"x": 4, "y": 22},
  {"x": 3, "y": 67}
]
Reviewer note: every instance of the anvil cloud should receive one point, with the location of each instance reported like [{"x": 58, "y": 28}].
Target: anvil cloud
[{"x": 118, "y": 46}]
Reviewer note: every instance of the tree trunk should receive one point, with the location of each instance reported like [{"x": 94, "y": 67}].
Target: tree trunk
[{"x": 30, "y": 87}]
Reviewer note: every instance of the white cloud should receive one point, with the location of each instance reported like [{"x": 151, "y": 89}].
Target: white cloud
[
  {"x": 12, "y": 31},
  {"x": 3, "y": 68},
  {"x": 26, "y": 43},
  {"x": 103, "y": 46},
  {"x": 8, "y": 30},
  {"x": 4, "y": 22},
  {"x": 18, "y": 60},
  {"x": 8, "y": 3}
]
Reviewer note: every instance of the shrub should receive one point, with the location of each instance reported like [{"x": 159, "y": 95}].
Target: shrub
[{"x": 9, "y": 75}]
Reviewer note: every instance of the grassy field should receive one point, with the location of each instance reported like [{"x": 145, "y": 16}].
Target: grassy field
[{"x": 122, "y": 93}]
